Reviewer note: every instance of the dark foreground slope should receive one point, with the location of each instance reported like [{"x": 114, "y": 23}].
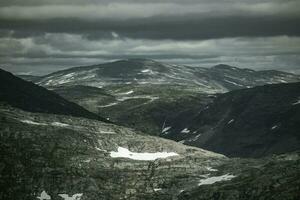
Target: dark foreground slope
[
  {"x": 275, "y": 177},
  {"x": 47, "y": 156},
  {"x": 57, "y": 154},
  {"x": 248, "y": 123},
  {"x": 27, "y": 96}
]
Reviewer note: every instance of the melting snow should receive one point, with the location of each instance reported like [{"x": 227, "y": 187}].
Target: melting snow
[
  {"x": 297, "y": 102},
  {"x": 274, "y": 127},
  {"x": 98, "y": 149},
  {"x": 157, "y": 189},
  {"x": 33, "y": 123},
  {"x": 151, "y": 98},
  {"x": 186, "y": 130},
  {"x": 233, "y": 83},
  {"x": 196, "y": 137},
  {"x": 214, "y": 179},
  {"x": 44, "y": 196},
  {"x": 59, "y": 124},
  {"x": 166, "y": 129},
  {"x": 147, "y": 71},
  {"x": 125, "y": 153},
  {"x": 108, "y": 105},
  {"x": 211, "y": 169},
  {"x": 126, "y": 93},
  {"x": 44, "y": 124},
  {"x": 129, "y": 92},
  {"x": 230, "y": 121},
  {"x": 74, "y": 197}
]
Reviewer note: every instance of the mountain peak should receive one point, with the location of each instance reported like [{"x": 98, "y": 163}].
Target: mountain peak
[
  {"x": 140, "y": 60},
  {"x": 224, "y": 66},
  {"x": 25, "y": 95}
]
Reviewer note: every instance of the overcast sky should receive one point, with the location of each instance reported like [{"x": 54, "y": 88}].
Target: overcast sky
[{"x": 42, "y": 36}]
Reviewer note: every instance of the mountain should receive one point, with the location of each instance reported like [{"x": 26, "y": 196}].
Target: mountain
[
  {"x": 271, "y": 179},
  {"x": 252, "y": 122},
  {"x": 218, "y": 79},
  {"x": 57, "y": 154},
  {"x": 144, "y": 94},
  {"x": 49, "y": 156},
  {"x": 27, "y": 96},
  {"x": 52, "y": 156},
  {"x": 144, "y": 108},
  {"x": 31, "y": 78}
]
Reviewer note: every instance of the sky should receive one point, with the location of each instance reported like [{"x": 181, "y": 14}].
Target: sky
[{"x": 41, "y": 36}]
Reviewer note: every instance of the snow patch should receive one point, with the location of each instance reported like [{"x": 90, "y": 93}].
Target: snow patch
[
  {"x": 186, "y": 130},
  {"x": 234, "y": 83},
  {"x": 125, "y": 153},
  {"x": 197, "y": 137},
  {"x": 297, "y": 102},
  {"x": 214, "y": 179},
  {"x": 151, "y": 98},
  {"x": 211, "y": 169},
  {"x": 74, "y": 197},
  {"x": 166, "y": 129},
  {"x": 59, "y": 124},
  {"x": 126, "y": 93},
  {"x": 33, "y": 123},
  {"x": 157, "y": 189},
  {"x": 87, "y": 160},
  {"x": 274, "y": 127},
  {"x": 44, "y": 196},
  {"x": 98, "y": 149},
  {"x": 108, "y": 105},
  {"x": 107, "y": 132},
  {"x": 129, "y": 92},
  {"x": 232, "y": 120},
  {"x": 147, "y": 71}
]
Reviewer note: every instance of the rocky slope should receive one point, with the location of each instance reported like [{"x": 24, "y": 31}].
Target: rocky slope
[
  {"x": 28, "y": 96},
  {"x": 218, "y": 79},
  {"x": 275, "y": 177},
  {"x": 48, "y": 156},
  {"x": 66, "y": 155},
  {"x": 248, "y": 123},
  {"x": 142, "y": 107},
  {"x": 145, "y": 94}
]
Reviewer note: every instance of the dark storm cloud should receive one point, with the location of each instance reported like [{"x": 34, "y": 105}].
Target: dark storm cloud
[
  {"x": 152, "y": 19},
  {"x": 42, "y": 36},
  {"x": 187, "y": 28}
]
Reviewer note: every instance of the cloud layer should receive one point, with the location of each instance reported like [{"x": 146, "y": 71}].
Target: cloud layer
[{"x": 46, "y": 35}]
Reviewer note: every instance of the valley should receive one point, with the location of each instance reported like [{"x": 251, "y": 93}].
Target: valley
[{"x": 118, "y": 134}]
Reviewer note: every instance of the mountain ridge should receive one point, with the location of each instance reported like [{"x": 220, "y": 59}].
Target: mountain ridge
[
  {"x": 249, "y": 122},
  {"x": 28, "y": 96}
]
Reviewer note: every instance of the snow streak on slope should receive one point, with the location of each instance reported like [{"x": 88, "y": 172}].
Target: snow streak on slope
[{"x": 125, "y": 153}]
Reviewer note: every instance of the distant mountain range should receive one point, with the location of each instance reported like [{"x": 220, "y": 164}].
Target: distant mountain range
[
  {"x": 188, "y": 104},
  {"x": 54, "y": 149},
  {"x": 218, "y": 79}
]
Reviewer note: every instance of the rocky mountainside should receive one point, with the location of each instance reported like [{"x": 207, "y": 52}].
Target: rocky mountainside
[
  {"x": 48, "y": 156},
  {"x": 218, "y": 79},
  {"x": 66, "y": 155},
  {"x": 145, "y": 94},
  {"x": 249, "y": 123},
  {"x": 142, "y": 107},
  {"x": 27, "y": 96},
  {"x": 272, "y": 178}
]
